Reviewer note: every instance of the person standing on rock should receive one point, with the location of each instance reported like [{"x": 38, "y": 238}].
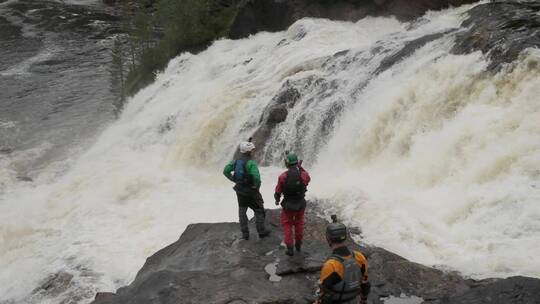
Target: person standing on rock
[
  {"x": 293, "y": 185},
  {"x": 344, "y": 276},
  {"x": 247, "y": 181}
]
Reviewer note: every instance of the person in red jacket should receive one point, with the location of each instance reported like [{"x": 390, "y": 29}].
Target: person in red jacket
[{"x": 293, "y": 185}]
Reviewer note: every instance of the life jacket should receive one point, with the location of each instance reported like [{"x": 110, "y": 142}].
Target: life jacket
[
  {"x": 241, "y": 176},
  {"x": 349, "y": 287},
  {"x": 294, "y": 186}
]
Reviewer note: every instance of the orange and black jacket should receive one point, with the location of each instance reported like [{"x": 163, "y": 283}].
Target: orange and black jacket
[{"x": 332, "y": 272}]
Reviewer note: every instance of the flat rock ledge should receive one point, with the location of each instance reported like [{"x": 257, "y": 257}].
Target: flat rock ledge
[{"x": 210, "y": 263}]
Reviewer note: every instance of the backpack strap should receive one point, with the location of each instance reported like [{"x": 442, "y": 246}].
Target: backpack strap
[{"x": 246, "y": 177}]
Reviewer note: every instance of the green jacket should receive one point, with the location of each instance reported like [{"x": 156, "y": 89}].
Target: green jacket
[{"x": 251, "y": 168}]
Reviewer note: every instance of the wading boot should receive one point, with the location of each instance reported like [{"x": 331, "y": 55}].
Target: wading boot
[
  {"x": 290, "y": 251},
  {"x": 264, "y": 234}
]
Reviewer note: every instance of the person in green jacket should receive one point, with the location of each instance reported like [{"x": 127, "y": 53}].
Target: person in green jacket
[{"x": 245, "y": 174}]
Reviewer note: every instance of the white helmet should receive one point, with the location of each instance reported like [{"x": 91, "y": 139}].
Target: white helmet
[{"x": 246, "y": 147}]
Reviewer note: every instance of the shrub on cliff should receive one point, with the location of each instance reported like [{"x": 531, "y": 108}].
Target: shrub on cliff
[{"x": 161, "y": 29}]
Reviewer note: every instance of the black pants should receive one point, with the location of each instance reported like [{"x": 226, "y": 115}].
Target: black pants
[{"x": 256, "y": 203}]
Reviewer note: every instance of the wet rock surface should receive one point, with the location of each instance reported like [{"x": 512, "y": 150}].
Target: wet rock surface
[
  {"x": 55, "y": 284},
  {"x": 501, "y": 29},
  {"x": 276, "y": 15},
  {"x": 410, "y": 9},
  {"x": 512, "y": 290},
  {"x": 210, "y": 263}
]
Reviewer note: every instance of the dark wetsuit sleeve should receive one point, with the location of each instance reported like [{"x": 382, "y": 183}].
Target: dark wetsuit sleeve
[
  {"x": 330, "y": 274},
  {"x": 331, "y": 280}
]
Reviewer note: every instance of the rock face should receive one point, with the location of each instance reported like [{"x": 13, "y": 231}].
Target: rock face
[
  {"x": 277, "y": 15},
  {"x": 210, "y": 263},
  {"x": 256, "y": 16},
  {"x": 407, "y": 9},
  {"x": 502, "y": 30}
]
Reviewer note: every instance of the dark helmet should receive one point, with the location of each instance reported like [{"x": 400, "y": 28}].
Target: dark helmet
[{"x": 336, "y": 232}]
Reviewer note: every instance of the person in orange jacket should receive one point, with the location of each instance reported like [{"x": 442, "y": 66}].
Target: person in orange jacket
[
  {"x": 293, "y": 185},
  {"x": 344, "y": 276}
]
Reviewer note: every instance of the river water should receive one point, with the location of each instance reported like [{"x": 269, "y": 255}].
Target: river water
[
  {"x": 432, "y": 157},
  {"x": 55, "y": 83}
]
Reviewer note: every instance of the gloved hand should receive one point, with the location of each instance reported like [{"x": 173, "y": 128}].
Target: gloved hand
[{"x": 277, "y": 197}]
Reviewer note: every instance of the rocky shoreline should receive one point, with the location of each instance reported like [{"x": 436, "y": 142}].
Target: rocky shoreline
[{"x": 210, "y": 263}]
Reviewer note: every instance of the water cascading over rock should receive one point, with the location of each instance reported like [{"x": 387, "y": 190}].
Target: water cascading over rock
[{"x": 406, "y": 128}]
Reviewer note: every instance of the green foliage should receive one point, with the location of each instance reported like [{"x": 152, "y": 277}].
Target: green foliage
[{"x": 159, "y": 30}]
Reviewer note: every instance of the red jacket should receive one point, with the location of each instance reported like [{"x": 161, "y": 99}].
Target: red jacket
[{"x": 304, "y": 176}]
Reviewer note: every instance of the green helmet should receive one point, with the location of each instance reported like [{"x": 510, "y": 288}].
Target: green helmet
[
  {"x": 291, "y": 159},
  {"x": 336, "y": 232}
]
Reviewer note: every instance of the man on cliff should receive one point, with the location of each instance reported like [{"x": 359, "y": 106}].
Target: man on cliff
[
  {"x": 247, "y": 183},
  {"x": 293, "y": 185},
  {"x": 344, "y": 276}
]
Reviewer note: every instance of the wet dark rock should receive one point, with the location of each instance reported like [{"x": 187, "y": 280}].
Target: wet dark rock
[
  {"x": 55, "y": 284},
  {"x": 104, "y": 296},
  {"x": 277, "y": 114},
  {"x": 501, "y": 29},
  {"x": 179, "y": 273},
  {"x": 408, "y": 49},
  {"x": 261, "y": 15},
  {"x": 410, "y": 9},
  {"x": 288, "y": 95},
  {"x": 168, "y": 125},
  {"x": 511, "y": 290},
  {"x": 6, "y": 150},
  {"x": 277, "y": 15},
  {"x": 274, "y": 114},
  {"x": 210, "y": 263},
  {"x": 314, "y": 89},
  {"x": 260, "y": 137},
  {"x": 25, "y": 179}
]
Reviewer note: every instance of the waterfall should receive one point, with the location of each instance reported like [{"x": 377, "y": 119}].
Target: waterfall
[{"x": 430, "y": 155}]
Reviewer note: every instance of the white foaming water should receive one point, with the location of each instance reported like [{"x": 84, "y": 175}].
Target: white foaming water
[
  {"x": 7, "y": 124},
  {"x": 443, "y": 168},
  {"x": 434, "y": 158}
]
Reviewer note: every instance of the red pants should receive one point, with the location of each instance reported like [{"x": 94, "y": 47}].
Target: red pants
[{"x": 290, "y": 219}]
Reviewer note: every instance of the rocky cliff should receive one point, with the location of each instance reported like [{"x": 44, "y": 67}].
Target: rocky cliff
[
  {"x": 210, "y": 263},
  {"x": 276, "y": 15}
]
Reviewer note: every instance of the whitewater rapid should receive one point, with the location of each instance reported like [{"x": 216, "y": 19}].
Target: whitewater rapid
[{"x": 433, "y": 158}]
